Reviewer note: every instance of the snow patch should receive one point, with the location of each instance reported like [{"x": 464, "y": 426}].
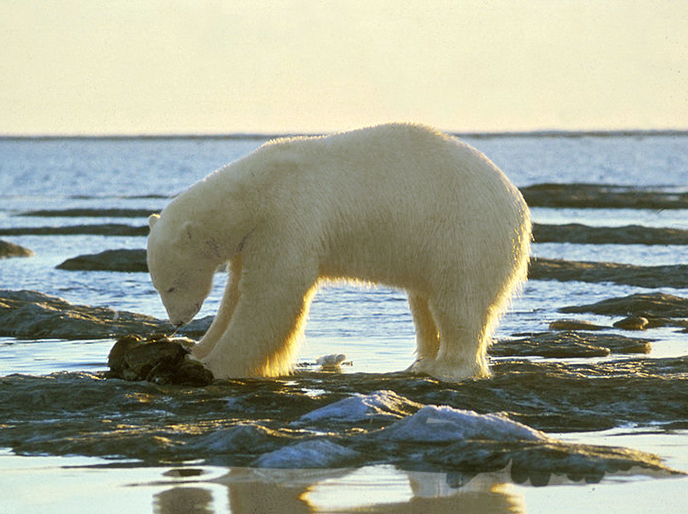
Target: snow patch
[
  {"x": 434, "y": 424},
  {"x": 376, "y": 405},
  {"x": 317, "y": 453}
]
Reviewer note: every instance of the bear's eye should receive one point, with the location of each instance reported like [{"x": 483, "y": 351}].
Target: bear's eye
[{"x": 171, "y": 290}]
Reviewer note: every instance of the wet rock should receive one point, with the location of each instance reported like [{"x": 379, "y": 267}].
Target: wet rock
[
  {"x": 442, "y": 426},
  {"x": 106, "y": 229},
  {"x": 90, "y": 213},
  {"x": 538, "y": 462},
  {"x": 109, "y": 260},
  {"x": 657, "y": 308},
  {"x": 572, "y": 324},
  {"x": 631, "y": 234},
  {"x": 540, "y": 269},
  {"x": 9, "y": 250},
  {"x": 627, "y": 274},
  {"x": 632, "y": 323},
  {"x": 602, "y": 196},
  {"x": 564, "y": 397},
  {"x": 568, "y": 344},
  {"x": 34, "y": 315},
  {"x": 156, "y": 359}
]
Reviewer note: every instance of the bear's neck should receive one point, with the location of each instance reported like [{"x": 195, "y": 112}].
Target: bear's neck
[{"x": 222, "y": 209}]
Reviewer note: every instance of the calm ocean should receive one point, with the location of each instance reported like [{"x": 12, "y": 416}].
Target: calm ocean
[{"x": 372, "y": 326}]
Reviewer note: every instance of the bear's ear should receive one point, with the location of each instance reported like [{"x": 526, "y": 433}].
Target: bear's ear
[
  {"x": 190, "y": 230},
  {"x": 153, "y": 219}
]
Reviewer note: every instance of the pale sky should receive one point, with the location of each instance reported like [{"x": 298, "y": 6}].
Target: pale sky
[{"x": 211, "y": 66}]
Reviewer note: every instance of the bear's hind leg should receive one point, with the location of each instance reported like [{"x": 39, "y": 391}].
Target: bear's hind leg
[
  {"x": 229, "y": 301},
  {"x": 463, "y": 340},
  {"x": 427, "y": 334}
]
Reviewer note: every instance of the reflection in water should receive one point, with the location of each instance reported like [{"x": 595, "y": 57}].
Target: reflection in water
[
  {"x": 371, "y": 490},
  {"x": 184, "y": 500}
]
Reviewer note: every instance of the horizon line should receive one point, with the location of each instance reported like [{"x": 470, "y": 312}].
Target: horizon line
[{"x": 275, "y": 135}]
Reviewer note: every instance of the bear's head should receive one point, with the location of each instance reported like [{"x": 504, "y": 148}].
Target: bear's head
[{"x": 181, "y": 263}]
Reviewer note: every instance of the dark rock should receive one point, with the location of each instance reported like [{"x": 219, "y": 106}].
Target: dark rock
[
  {"x": 156, "y": 359},
  {"x": 8, "y": 250},
  {"x": 632, "y": 323},
  {"x": 566, "y": 345},
  {"x": 90, "y": 213},
  {"x": 540, "y": 269},
  {"x": 602, "y": 196},
  {"x": 627, "y": 274},
  {"x": 658, "y": 309},
  {"x": 537, "y": 462},
  {"x": 233, "y": 423},
  {"x": 570, "y": 324},
  {"x": 34, "y": 315},
  {"x": 105, "y": 229},
  {"x": 630, "y": 234},
  {"x": 109, "y": 260},
  {"x": 647, "y": 305},
  {"x": 130, "y": 261}
]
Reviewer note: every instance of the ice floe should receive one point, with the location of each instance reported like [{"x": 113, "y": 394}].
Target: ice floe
[
  {"x": 316, "y": 453},
  {"x": 377, "y": 405},
  {"x": 445, "y": 424}
]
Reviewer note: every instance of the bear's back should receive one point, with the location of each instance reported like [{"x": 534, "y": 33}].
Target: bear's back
[
  {"x": 395, "y": 170},
  {"x": 395, "y": 157}
]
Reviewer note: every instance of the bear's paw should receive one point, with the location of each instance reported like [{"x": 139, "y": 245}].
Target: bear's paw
[{"x": 449, "y": 371}]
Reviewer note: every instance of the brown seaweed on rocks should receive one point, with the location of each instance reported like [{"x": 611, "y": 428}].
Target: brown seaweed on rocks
[{"x": 158, "y": 359}]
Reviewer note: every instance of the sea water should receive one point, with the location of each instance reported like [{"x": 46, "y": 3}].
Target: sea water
[{"x": 372, "y": 326}]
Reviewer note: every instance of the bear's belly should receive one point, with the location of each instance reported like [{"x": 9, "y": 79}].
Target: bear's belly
[{"x": 394, "y": 265}]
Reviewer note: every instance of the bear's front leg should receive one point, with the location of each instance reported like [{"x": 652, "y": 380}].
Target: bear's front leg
[
  {"x": 268, "y": 320},
  {"x": 230, "y": 299}
]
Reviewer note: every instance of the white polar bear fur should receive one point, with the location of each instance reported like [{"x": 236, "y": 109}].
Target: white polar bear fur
[{"x": 398, "y": 204}]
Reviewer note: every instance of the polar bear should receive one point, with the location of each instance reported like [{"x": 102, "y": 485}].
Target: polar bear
[{"x": 398, "y": 204}]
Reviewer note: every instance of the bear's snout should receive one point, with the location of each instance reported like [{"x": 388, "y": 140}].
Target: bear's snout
[{"x": 179, "y": 319}]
